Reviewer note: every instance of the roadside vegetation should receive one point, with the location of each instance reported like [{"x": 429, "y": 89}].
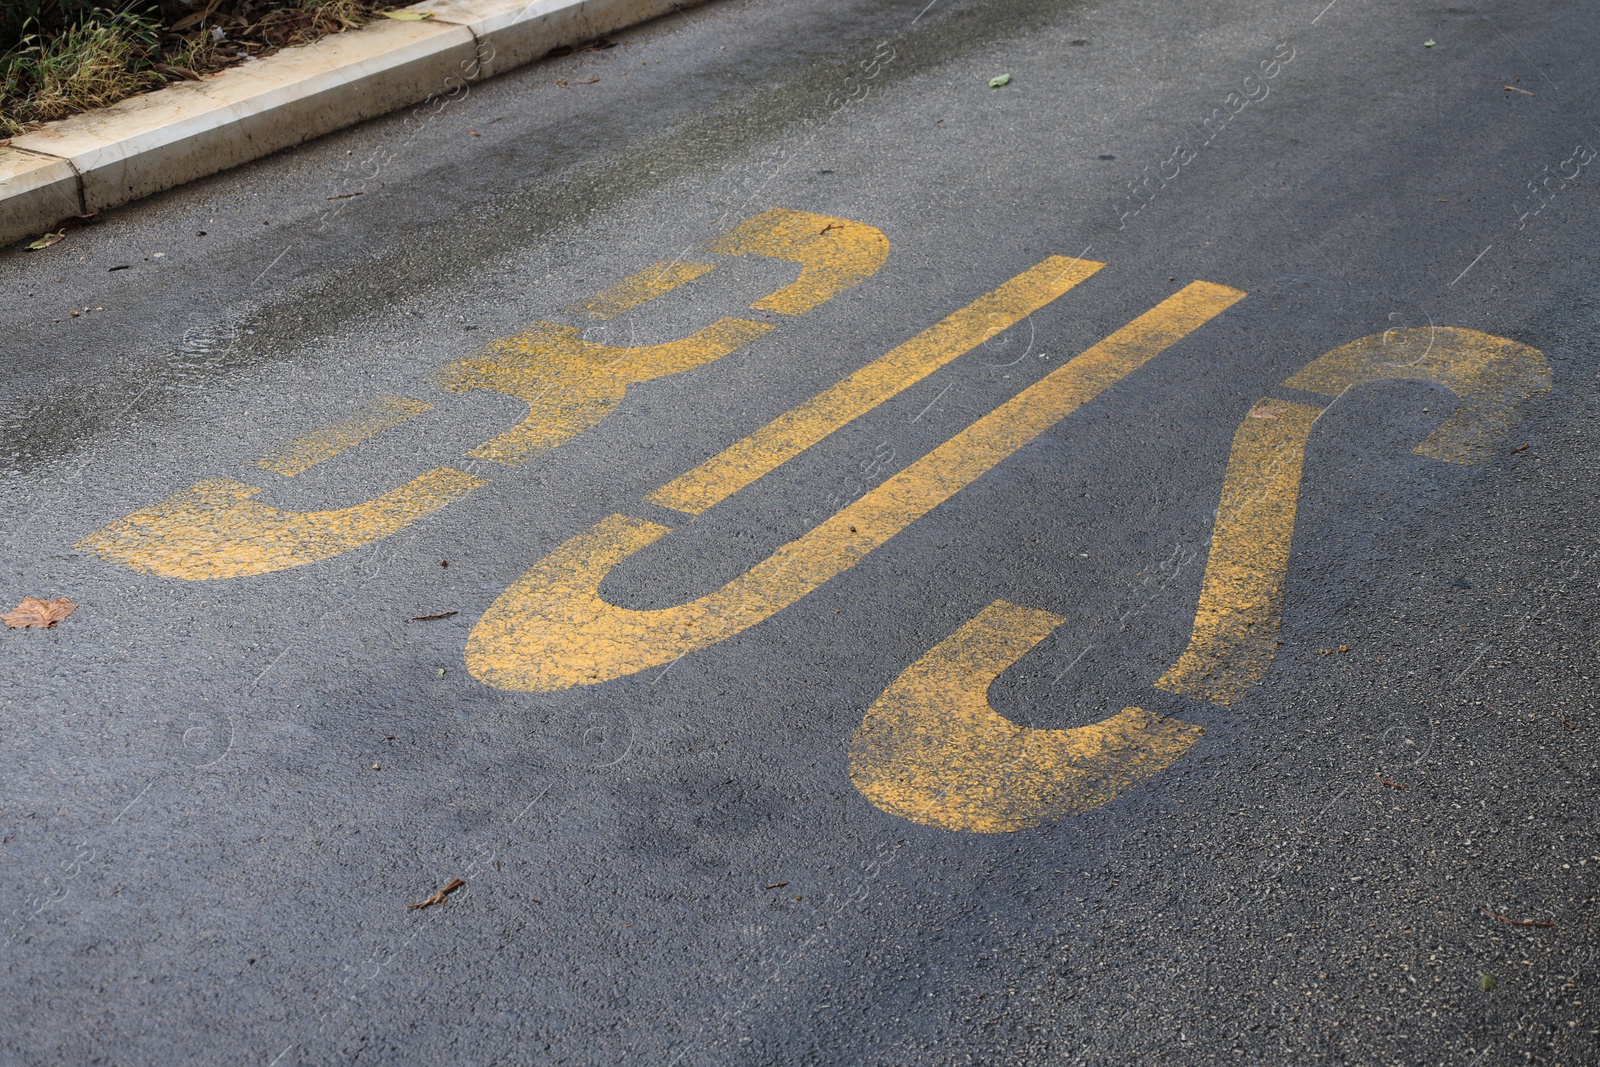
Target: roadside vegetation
[{"x": 59, "y": 57}]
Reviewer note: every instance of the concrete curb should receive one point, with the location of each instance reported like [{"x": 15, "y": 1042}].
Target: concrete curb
[{"x": 105, "y": 158}]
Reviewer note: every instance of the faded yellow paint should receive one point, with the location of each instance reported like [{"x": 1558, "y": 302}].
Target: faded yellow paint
[
  {"x": 834, "y": 254},
  {"x": 1234, "y": 639},
  {"x": 800, "y": 428},
  {"x": 551, "y": 629},
  {"x": 1491, "y": 376},
  {"x": 640, "y": 289},
  {"x": 1235, "y": 633},
  {"x": 570, "y": 384},
  {"x": 301, "y": 454},
  {"x": 215, "y": 530},
  {"x": 933, "y": 750}
]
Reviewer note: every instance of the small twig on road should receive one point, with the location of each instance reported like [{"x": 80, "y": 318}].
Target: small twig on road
[
  {"x": 1394, "y": 785},
  {"x": 430, "y": 618},
  {"x": 1515, "y": 922},
  {"x": 438, "y": 898}
]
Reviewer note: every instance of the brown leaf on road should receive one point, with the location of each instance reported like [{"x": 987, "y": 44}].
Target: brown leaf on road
[{"x": 42, "y": 613}]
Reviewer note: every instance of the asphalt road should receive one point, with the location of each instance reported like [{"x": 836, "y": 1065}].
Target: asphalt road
[{"x": 742, "y": 803}]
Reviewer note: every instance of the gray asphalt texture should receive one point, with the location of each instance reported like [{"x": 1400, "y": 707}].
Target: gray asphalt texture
[{"x": 198, "y": 864}]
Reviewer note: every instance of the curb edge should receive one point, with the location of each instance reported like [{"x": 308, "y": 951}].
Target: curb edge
[{"x": 112, "y": 156}]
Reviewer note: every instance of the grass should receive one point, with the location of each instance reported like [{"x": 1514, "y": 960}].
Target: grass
[
  {"x": 60, "y": 57},
  {"x": 91, "y": 64}
]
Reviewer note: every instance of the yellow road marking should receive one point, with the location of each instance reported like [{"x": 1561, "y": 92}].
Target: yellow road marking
[
  {"x": 1490, "y": 375},
  {"x": 797, "y": 430},
  {"x": 301, "y": 454},
  {"x": 640, "y": 288},
  {"x": 1234, "y": 639},
  {"x": 834, "y": 254},
  {"x": 551, "y": 629},
  {"x": 214, "y": 530},
  {"x": 1235, "y": 633},
  {"x": 933, "y": 750},
  {"x": 570, "y": 384}
]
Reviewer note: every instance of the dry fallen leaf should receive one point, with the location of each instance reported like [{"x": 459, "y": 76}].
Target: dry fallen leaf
[
  {"x": 47, "y": 240},
  {"x": 42, "y": 613}
]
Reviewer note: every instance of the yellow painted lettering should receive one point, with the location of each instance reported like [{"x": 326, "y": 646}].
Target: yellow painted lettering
[
  {"x": 640, "y": 289},
  {"x": 1235, "y": 635},
  {"x": 834, "y": 254},
  {"x": 215, "y": 529},
  {"x": 1234, "y": 639},
  {"x": 551, "y": 629},
  {"x": 301, "y": 454},
  {"x": 570, "y": 384},
  {"x": 1490, "y": 376},
  {"x": 797, "y": 430},
  {"x": 933, "y": 750}
]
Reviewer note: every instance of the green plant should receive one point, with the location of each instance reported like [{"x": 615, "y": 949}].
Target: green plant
[
  {"x": 21, "y": 19},
  {"x": 89, "y": 64},
  {"x": 58, "y": 57}
]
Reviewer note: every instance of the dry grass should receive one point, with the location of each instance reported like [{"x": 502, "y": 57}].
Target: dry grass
[
  {"x": 114, "y": 56},
  {"x": 318, "y": 18},
  {"x": 278, "y": 24},
  {"x": 90, "y": 65}
]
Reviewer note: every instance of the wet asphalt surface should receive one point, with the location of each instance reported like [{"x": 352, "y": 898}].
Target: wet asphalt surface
[{"x": 200, "y": 863}]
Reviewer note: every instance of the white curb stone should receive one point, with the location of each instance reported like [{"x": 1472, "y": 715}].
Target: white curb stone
[
  {"x": 105, "y": 158},
  {"x": 514, "y": 32},
  {"x": 35, "y": 192}
]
